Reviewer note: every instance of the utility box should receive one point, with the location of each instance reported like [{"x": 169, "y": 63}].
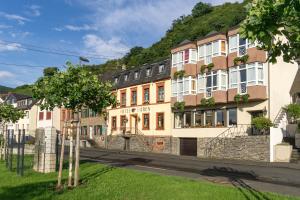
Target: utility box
[{"x": 45, "y": 156}]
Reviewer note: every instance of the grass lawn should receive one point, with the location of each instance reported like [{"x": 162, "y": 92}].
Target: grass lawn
[{"x": 105, "y": 182}]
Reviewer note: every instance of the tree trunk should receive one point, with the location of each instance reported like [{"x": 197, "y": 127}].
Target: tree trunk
[
  {"x": 71, "y": 133},
  {"x": 2, "y": 143},
  {"x": 77, "y": 156},
  {"x": 61, "y": 161}
]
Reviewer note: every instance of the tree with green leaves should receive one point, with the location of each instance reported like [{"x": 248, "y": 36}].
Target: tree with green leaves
[
  {"x": 50, "y": 71},
  {"x": 201, "y": 9},
  {"x": 275, "y": 25},
  {"x": 73, "y": 89},
  {"x": 8, "y": 114}
]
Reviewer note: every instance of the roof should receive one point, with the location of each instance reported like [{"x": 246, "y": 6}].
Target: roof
[
  {"x": 18, "y": 96},
  {"x": 210, "y": 34},
  {"x": 142, "y": 78},
  {"x": 184, "y": 42}
]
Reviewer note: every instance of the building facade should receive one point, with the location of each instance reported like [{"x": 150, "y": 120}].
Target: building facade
[{"x": 143, "y": 109}]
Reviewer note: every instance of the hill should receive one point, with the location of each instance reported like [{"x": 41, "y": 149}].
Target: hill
[
  {"x": 204, "y": 19},
  {"x": 4, "y": 89}
]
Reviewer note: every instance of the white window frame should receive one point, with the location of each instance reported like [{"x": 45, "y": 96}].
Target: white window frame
[
  {"x": 178, "y": 58},
  {"x": 257, "y": 81},
  {"x": 187, "y": 87},
  {"x": 208, "y": 90},
  {"x": 207, "y": 56},
  {"x": 247, "y": 45}
]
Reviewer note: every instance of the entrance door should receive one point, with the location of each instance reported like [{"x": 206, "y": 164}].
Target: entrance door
[
  {"x": 188, "y": 146},
  {"x": 133, "y": 123}
]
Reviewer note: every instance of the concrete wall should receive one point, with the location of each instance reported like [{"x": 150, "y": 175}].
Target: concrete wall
[{"x": 255, "y": 148}]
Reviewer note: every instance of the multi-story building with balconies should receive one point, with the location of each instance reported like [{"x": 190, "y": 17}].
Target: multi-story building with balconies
[{"x": 224, "y": 80}]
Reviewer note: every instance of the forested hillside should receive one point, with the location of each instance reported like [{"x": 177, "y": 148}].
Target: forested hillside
[{"x": 204, "y": 19}]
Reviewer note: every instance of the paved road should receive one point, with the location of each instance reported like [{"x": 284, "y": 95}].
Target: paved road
[{"x": 283, "y": 178}]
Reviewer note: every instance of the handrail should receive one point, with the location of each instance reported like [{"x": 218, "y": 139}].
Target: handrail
[
  {"x": 277, "y": 115},
  {"x": 232, "y": 131}
]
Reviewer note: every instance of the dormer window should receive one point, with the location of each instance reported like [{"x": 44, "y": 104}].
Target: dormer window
[
  {"x": 116, "y": 80},
  {"x": 212, "y": 49},
  {"x": 148, "y": 72},
  {"x": 161, "y": 69},
  {"x": 136, "y": 75},
  {"x": 126, "y": 77}
]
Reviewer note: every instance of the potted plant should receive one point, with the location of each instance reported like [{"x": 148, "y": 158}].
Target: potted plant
[
  {"x": 262, "y": 124},
  {"x": 293, "y": 112}
]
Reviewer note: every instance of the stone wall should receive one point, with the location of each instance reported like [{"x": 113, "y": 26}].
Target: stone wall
[
  {"x": 255, "y": 148},
  {"x": 157, "y": 144}
]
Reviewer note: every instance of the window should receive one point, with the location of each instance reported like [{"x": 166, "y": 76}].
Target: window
[
  {"x": 208, "y": 118},
  {"x": 211, "y": 81},
  {"x": 123, "y": 121},
  {"x": 98, "y": 130},
  {"x": 85, "y": 113},
  {"x": 198, "y": 118},
  {"x": 146, "y": 95},
  {"x": 183, "y": 86},
  {"x": 133, "y": 97},
  {"x": 92, "y": 113},
  {"x": 220, "y": 119},
  {"x": 27, "y": 114},
  {"x": 239, "y": 44},
  {"x": 161, "y": 69},
  {"x": 114, "y": 123},
  {"x": 146, "y": 122},
  {"x": 246, "y": 75},
  {"x": 178, "y": 120},
  {"x": 232, "y": 117},
  {"x": 148, "y": 72},
  {"x": 123, "y": 98},
  {"x": 84, "y": 130},
  {"x": 126, "y": 77},
  {"x": 160, "y": 93},
  {"x": 41, "y": 115},
  {"x": 160, "y": 121},
  {"x": 212, "y": 49},
  {"x": 48, "y": 115},
  {"x": 186, "y": 56},
  {"x": 188, "y": 119},
  {"x": 136, "y": 75}
]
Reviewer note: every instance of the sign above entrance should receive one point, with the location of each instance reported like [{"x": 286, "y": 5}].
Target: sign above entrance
[{"x": 135, "y": 110}]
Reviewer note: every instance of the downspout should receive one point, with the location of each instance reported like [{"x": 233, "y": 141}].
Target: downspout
[{"x": 269, "y": 91}]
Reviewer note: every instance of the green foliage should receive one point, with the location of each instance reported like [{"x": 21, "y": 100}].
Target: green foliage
[
  {"x": 220, "y": 18},
  {"x": 241, "y": 98},
  {"x": 10, "y": 114},
  {"x": 73, "y": 89},
  {"x": 268, "y": 19},
  {"x": 293, "y": 110},
  {"x": 50, "y": 71},
  {"x": 201, "y": 9},
  {"x": 179, "y": 74},
  {"x": 202, "y": 69},
  {"x": 4, "y": 89},
  {"x": 243, "y": 59},
  {"x": 210, "y": 66},
  {"x": 179, "y": 106},
  {"x": 262, "y": 123},
  {"x": 207, "y": 102},
  {"x": 23, "y": 89}
]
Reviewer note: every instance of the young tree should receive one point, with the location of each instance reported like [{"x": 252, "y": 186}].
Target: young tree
[
  {"x": 8, "y": 114},
  {"x": 276, "y": 26},
  {"x": 73, "y": 89}
]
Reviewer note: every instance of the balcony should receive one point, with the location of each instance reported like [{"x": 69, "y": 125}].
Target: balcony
[{"x": 256, "y": 92}]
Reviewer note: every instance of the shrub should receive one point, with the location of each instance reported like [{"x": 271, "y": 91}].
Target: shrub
[
  {"x": 203, "y": 67},
  {"x": 293, "y": 111},
  {"x": 262, "y": 124},
  {"x": 179, "y": 106},
  {"x": 208, "y": 102},
  {"x": 179, "y": 74}
]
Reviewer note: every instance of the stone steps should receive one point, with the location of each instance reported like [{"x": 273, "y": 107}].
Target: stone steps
[{"x": 295, "y": 155}]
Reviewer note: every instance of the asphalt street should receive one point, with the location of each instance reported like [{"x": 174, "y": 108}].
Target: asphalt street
[{"x": 254, "y": 176}]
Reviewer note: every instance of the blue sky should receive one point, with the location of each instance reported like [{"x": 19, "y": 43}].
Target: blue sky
[{"x": 99, "y": 29}]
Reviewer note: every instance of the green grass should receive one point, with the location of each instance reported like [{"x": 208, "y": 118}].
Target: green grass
[{"x": 105, "y": 182}]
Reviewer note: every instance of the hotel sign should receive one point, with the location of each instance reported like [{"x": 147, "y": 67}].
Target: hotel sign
[{"x": 135, "y": 110}]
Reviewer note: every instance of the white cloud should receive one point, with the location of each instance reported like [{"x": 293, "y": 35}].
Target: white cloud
[
  {"x": 101, "y": 48},
  {"x": 34, "y": 10},
  {"x": 84, "y": 27},
  {"x": 4, "y": 46},
  {"x": 21, "y": 20},
  {"x": 6, "y": 74}
]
